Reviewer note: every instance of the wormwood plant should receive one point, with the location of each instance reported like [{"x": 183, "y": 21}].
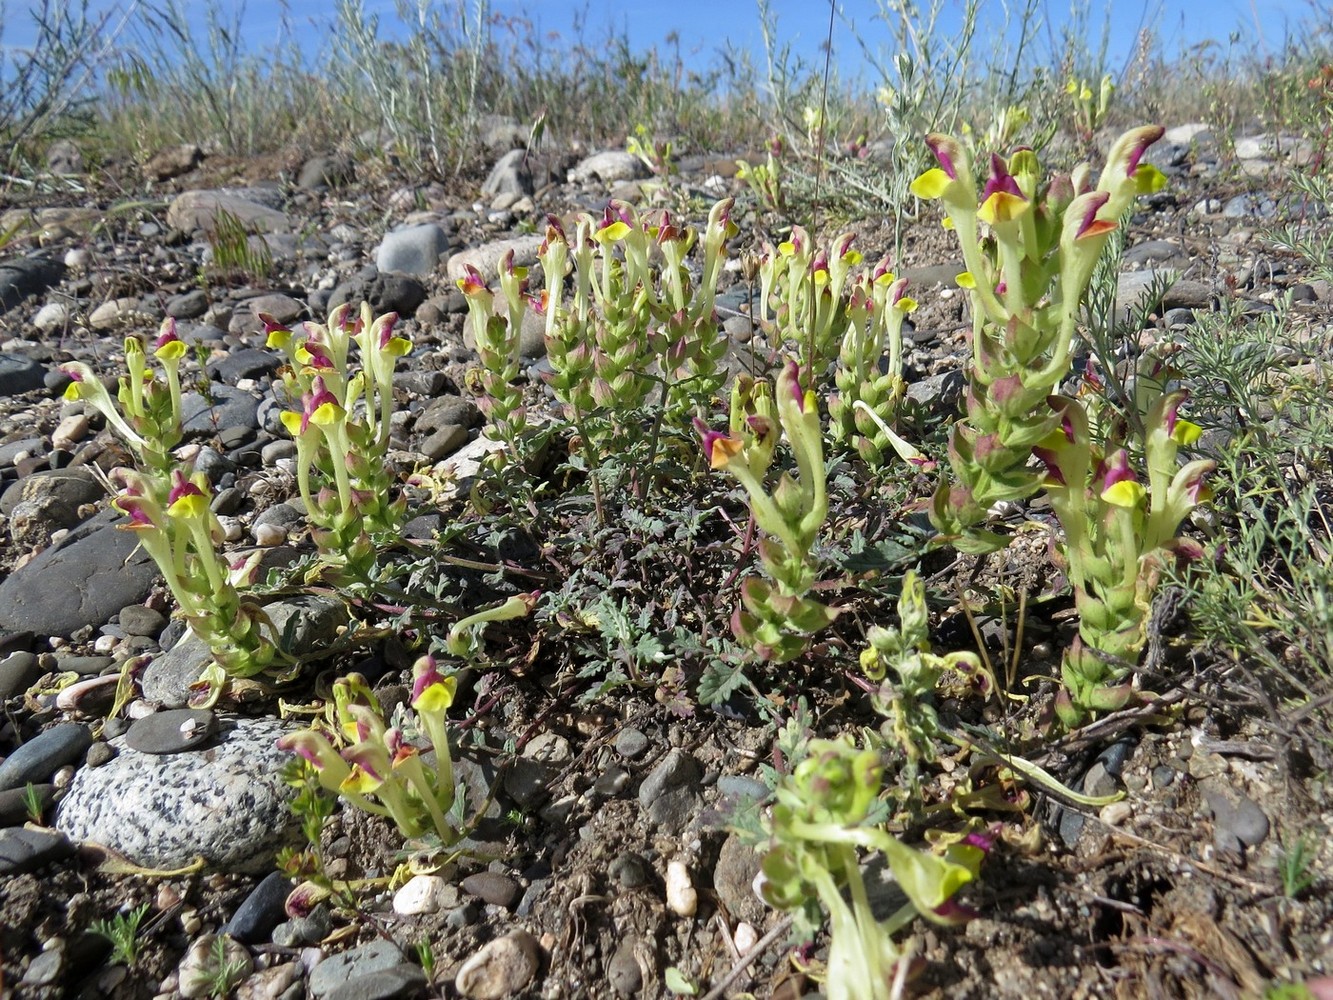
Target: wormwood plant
[{"x": 122, "y": 930}]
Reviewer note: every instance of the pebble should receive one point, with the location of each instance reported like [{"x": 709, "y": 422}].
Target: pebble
[
  {"x": 138, "y": 619},
  {"x": 424, "y": 894},
  {"x": 630, "y": 743},
  {"x": 668, "y": 794},
  {"x": 629, "y": 870},
  {"x": 24, "y": 850},
  {"x": 623, "y": 972},
  {"x": 745, "y": 937},
  {"x": 682, "y": 898},
  {"x": 18, "y": 672},
  {"x": 171, "y": 731},
  {"x": 1235, "y": 814},
  {"x": 40, "y": 757},
  {"x": 398, "y": 983},
  {"x": 493, "y": 888},
  {"x": 502, "y": 968},
  {"x": 262, "y": 910}
]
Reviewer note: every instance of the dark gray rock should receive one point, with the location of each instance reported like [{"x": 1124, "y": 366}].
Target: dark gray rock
[
  {"x": 24, "y": 276},
  {"x": 23, "y": 850},
  {"x": 249, "y": 362},
  {"x": 16, "y": 803},
  {"x": 1235, "y": 814},
  {"x": 668, "y": 795},
  {"x": 189, "y": 305},
  {"x": 262, "y": 910},
  {"x": 228, "y": 408},
  {"x": 18, "y": 672},
  {"x": 443, "y": 442},
  {"x": 171, "y": 731},
  {"x": 338, "y": 970},
  {"x": 139, "y": 619},
  {"x": 81, "y": 580},
  {"x": 448, "y": 411},
  {"x": 282, "y": 308},
  {"x": 47, "y": 752},
  {"x": 20, "y": 374},
  {"x": 400, "y": 293},
  {"x": 66, "y": 489},
  {"x": 623, "y": 972}
]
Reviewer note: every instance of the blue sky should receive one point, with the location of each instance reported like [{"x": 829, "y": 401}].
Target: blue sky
[{"x": 705, "y": 26}]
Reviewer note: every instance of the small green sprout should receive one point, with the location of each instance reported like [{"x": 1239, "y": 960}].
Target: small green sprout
[{"x": 122, "y": 930}]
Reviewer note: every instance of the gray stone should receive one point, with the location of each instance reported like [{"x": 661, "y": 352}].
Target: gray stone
[
  {"x": 20, "y": 374},
  {"x": 226, "y": 803},
  {"x": 18, "y": 672},
  {"x": 609, "y": 167},
  {"x": 938, "y": 393},
  {"x": 445, "y": 441},
  {"x": 228, "y": 408},
  {"x": 1098, "y": 782},
  {"x": 1162, "y": 252},
  {"x": 263, "y": 909},
  {"x": 313, "y": 620},
  {"x": 336, "y": 970},
  {"x": 16, "y": 803},
  {"x": 10, "y": 451},
  {"x": 741, "y": 787},
  {"x": 139, "y": 619},
  {"x": 629, "y": 870},
  {"x": 44, "y": 969},
  {"x": 125, "y": 311},
  {"x": 69, "y": 488},
  {"x": 192, "y": 210},
  {"x": 1249, "y": 205},
  {"x": 510, "y": 175},
  {"x": 494, "y": 888},
  {"x": 1235, "y": 814},
  {"x": 24, "y": 276},
  {"x": 23, "y": 850},
  {"x": 676, "y": 770},
  {"x": 188, "y": 305},
  {"x": 623, "y": 971},
  {"x": 39, "y": 758},
  {"x": 631, "y": 743},
  {"x": 64, "y": 158},
  {"x": 399, "y": 982},
  {"x": 171, "y": 731},
  {"x": 526, "y": 782},
  {"x": 400, "y": 293},
  {"x": 446, "y": 411},
  {"x": 248, "y": 362},
  {"x": 84, "y": 666},
  {"x": 82, "y": 580},
  {"x": 414, "y": 250},
  {"x": 486, "y": 258},
  {"x": 282, "y": 308}
]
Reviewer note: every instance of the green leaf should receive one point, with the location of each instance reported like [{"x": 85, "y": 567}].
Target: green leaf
[
  {"x": 720, "y": 681},
  {"x": 677, "y": 983}
]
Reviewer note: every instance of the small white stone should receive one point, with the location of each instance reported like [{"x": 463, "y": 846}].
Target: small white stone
[
  {"x": 1116, "y": 813},
  {"x": 746, "y": 937},
  {"x": 77, "y": 258},
  {"x": 421, "y": 894},
  {"x": 59, "y": 535},
  {"x": 140, "y": 709},
  {"x": 70, "y": 431},
  {"x": 232, "y": 529},
  {"x": 268, "y": 535},
  {"x": 681, "y": 897},
  {"x": 51, "y": 317},
  {"x": 105, "y": 644}
]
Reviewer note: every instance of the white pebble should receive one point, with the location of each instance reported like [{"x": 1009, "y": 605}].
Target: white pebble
[
  {"x": 232, "y": 529},
  {"x": 1116, "y": 813},
  {"x": 746, "y": 937},
  {"x": 421, "y": 894},
  {"x": 681, "y": 897},
  {"x": 105, "y": 644},
  {"x": 77, "y": 258},
  {"x": 267, "y": 535},
  {"x": 500, "y": 969}
]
